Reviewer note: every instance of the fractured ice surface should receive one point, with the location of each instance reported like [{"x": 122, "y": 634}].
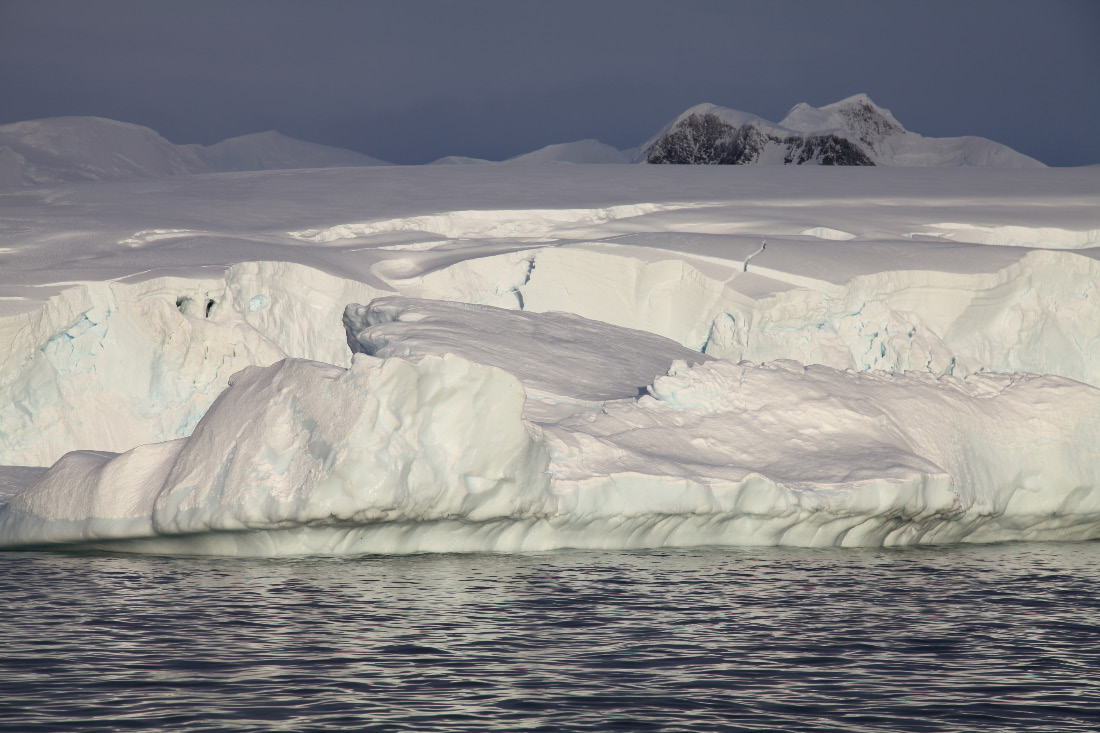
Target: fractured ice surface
[
  {"x": 942, "y": 309},
  {"x": 226, "y": 286},
  {"x": 111, "y": 366}
]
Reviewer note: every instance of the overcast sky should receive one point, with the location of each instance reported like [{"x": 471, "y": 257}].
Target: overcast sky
[{"x": 412, "y": 80}]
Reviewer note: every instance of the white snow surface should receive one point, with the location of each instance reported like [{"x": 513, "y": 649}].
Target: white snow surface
[
  {"x": 588, "y": 151},
  {"x": 881, "y": 356}
]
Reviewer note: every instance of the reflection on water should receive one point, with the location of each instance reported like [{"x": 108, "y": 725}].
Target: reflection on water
[{"x": 931, "y": 639}]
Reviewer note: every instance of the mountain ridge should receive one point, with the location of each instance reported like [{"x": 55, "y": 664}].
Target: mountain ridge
[{"x": 853, "y": 131}]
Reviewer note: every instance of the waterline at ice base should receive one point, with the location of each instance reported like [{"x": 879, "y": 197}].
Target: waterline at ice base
[{"x": 534, "y": 436}]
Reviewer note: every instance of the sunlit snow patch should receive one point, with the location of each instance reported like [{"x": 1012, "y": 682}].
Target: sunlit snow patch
[
  {"x": 1017, "y": 236},
  {"x": 525, "y": 223},
  {"x": 155, "y": 235},
  {"x": 827, "y": 233}
]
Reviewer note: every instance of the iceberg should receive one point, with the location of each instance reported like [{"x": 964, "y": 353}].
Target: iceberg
[
  {"x": 549, "y": 356},
  {"x": 429, "y": 452}
]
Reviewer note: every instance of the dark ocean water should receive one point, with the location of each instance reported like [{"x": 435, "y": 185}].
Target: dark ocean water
[{"x": 994, "y": 638}]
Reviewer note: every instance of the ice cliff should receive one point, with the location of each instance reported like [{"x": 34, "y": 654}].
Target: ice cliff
[{"x": 443, "y": 453}]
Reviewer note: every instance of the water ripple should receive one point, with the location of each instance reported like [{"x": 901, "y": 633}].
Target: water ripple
[{"x": 1000, "y": 638}]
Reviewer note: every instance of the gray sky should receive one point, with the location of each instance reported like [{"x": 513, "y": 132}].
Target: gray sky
[{"x": 412, "y": 80}]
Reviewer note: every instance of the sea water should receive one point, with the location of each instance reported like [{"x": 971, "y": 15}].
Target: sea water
[{"x": 957, "y": 638}]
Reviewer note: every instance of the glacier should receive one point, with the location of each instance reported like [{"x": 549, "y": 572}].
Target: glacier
[{"x": 550, "y": 356}]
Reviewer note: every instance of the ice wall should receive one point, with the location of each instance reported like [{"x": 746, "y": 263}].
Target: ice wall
[
  {"x": 303, "y": 445},
  {"x": 429, "y": 453},
  {"x": 113, "y": 365},
  {"x": 1035, "y": 314},
  {"x": 729, "y": 453},
  {"x": 109, "y": 366}
]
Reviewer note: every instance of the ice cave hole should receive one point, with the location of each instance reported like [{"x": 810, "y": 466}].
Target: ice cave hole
[{"x": 189, "y": 307}]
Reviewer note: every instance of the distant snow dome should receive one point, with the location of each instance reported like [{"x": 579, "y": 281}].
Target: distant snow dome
[
  {"x": 852, "y": 132},
  {"x": 73, "y": 149}
]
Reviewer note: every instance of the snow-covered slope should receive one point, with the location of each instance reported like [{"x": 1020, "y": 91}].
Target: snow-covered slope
[
  {"x": 943, "y": 326},
  {"x": 854, "y": 131},
  {"x": 459, "y": 160},
  {"x": 64, "y": 149},
  {"x": 581, "y": 151},
  {"x": 72, "y": 149},
  {"x": 888, "y": 143}
]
